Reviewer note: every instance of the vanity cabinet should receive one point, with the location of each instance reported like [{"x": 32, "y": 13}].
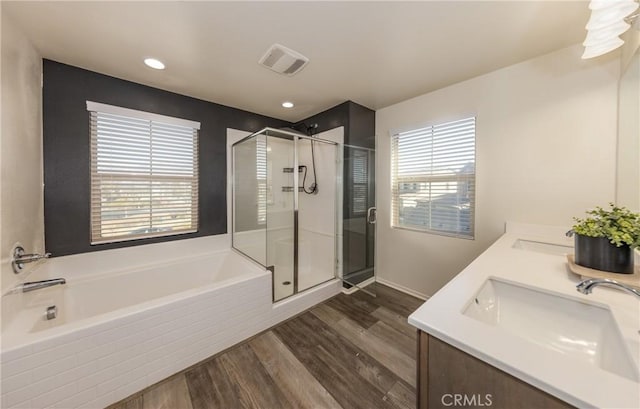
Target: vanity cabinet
[{"x": 450, "y": 378}]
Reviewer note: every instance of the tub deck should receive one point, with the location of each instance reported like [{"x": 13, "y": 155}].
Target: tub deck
[{"x": 351, "y": 351}]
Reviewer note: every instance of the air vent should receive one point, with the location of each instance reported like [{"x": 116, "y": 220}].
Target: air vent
[{"x": 283, "y": 60}]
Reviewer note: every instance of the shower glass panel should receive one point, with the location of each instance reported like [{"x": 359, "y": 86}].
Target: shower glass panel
[
  {"x": 279, "y": 219},
  {"x": 317, "y": 213},
  {"x": 280, "y": 212},
  {"x": 249, "y": 205}
]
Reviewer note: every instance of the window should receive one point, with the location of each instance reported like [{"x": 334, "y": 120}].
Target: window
[
  {"x": 433, "y": 178},
  {"x": 144, "y": 174}
]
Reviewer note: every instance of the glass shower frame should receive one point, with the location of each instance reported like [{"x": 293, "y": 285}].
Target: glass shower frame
[{"x": 258, "y": 147}]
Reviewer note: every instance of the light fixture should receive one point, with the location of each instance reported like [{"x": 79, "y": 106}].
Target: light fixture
[
  {"x": 597, "y": 36},
  {"x": 609, "y": 19},
  {"x": 602, "y": 48},
  {"x": 154, "y": 63},
  {"x": 287, "y": 104}
]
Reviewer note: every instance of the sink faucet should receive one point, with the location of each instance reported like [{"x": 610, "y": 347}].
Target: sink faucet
[
  {"x": 586, "y": 286},
  {"x": 37, "y": 285}
]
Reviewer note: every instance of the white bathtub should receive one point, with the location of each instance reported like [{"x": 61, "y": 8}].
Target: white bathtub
[{"x": 121, "y": 330}]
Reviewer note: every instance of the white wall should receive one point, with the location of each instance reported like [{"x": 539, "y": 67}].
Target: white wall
[
  {"x": 546, "y": 149},
  {"x": 631, "y": 44},
  {"x": 21, "y": 194},
  {"x": 628, "y": 177}
]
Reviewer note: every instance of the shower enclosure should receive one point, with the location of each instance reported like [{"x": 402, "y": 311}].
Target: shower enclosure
[{"x": 286, "y": 204}]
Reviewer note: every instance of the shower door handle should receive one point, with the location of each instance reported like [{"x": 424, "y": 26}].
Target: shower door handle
[{"x": 371, "y": 215}]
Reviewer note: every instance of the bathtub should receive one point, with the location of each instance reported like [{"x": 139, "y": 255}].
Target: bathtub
[{"x": 123, "y": 328}]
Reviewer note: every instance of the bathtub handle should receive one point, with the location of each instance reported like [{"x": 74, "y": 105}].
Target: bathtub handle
[{"x": 20, "y": 258}]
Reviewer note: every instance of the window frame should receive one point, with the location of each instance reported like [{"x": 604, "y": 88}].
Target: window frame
[
  {"x": 94, "y": 108},
  {"x": 395, "y": 180}
]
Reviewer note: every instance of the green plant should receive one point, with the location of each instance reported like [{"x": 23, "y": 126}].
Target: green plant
[{"x": 620, "y": 225}]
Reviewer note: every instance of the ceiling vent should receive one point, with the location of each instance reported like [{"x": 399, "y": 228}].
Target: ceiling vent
[{"x": 283, "y": 60}]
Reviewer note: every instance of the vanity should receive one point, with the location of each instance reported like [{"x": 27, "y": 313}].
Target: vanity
[{"x": 511, "y": 331}]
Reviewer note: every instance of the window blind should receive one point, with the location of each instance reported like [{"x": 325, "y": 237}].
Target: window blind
[
  {"x": 144, "y": 174},
  {"x": 261, "y": 177},
  {"x": 433, "y": 178},
  {"x": 359, "y": 179}
]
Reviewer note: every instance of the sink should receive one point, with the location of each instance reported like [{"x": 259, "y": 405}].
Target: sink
[
  {"x": 562, "y": 324},
  {"x": 541, "y": 247}
]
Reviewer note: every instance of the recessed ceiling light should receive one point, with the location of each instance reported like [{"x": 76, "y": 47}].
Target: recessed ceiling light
[
  {"x": 153, "y": 63},
  {"x": 287, "y": 104}
]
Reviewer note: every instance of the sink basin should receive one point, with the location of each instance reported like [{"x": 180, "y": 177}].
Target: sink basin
[
  {"x": 562, "y": 324},
  {"x": 541, "y": 247}
]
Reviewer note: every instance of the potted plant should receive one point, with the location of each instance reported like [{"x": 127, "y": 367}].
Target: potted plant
[{"x": 605, "y": 240}]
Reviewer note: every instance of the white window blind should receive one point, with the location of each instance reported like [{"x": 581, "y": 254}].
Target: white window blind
[
  {"x": 433, "y": 178},
  {"x": 360, "y": 179},
  {"x": 261, "y": 177},
  {"x": 144, "y": 174}
]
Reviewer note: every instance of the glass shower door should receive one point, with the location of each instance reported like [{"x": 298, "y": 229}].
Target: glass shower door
[{"x": 359, "y": 215}]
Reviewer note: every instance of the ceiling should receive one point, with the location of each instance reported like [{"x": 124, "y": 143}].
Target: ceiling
[{"x": 373, "y": 53}]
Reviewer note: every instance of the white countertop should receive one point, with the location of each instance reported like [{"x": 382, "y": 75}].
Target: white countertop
[{"x": 578, "y": 383}]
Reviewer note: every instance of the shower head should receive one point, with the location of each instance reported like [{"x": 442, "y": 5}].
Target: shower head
[{"x": 311, "y": 128}]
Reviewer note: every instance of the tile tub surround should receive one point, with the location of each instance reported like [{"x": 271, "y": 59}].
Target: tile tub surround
[
  {"x": 101, "y": 359},
  {"x": 560, "y": 375}
]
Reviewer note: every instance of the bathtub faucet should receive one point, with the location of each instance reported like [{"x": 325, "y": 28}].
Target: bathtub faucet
[{"x": 37, "y": 285}]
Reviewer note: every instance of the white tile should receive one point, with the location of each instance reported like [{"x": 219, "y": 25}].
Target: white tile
[
  {"x": 95, "y": 378},
  {"x": 101, "y": 401},
  {"x": 13, "y": 383},
  {"x": 80, "y": 399},
  {"x": 12, "y": 398},
  {"x": 109, "y": 360},
  {"x": 55, "y": 342},
  {"x": 131, "y": 388},
  {"x": 27, "y": 404},
  {"x": 54, "y": 368},
  {"x": 114, "y": 383},
  {"x": 56, "y": 395},
  {"x": 159, "y": 374},
  {"x": 48, "y": 356},
  {"x": 17, "y": 366},
  {"x": 148, "y": 346},
  {"x": 95, "y": 353},
  {"x": 12, "y": 354},
  {"x": 82, "y": 371},
  {"x": 51, "y": 383},
  {"x": 134, "y": 336}
]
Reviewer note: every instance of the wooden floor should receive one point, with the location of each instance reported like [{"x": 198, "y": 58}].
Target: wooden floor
[{"x": 352, "y": 351}]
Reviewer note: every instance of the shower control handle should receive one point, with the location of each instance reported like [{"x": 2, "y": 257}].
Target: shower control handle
[{"x": 371, "y": 215}]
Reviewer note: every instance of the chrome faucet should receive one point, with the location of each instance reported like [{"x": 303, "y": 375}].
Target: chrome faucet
[
  {"x": 37, "y": 285},
  {"x": 586, "y": 286},
  {"x": 20, "y": 258}
]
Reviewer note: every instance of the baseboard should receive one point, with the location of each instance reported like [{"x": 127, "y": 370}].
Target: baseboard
[{"x": 403, "y": 289}]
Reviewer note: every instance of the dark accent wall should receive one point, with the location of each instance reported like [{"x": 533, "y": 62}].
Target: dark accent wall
[
  {"x": 66, "y": 145},
  {"x": 359, "y": 123}
]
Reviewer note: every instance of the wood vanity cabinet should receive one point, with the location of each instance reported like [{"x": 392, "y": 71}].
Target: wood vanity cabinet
[{"x": 450, "y": 378}]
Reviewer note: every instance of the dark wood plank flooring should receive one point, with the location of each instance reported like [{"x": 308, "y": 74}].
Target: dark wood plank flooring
[{"x": 352, "y": 351}]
